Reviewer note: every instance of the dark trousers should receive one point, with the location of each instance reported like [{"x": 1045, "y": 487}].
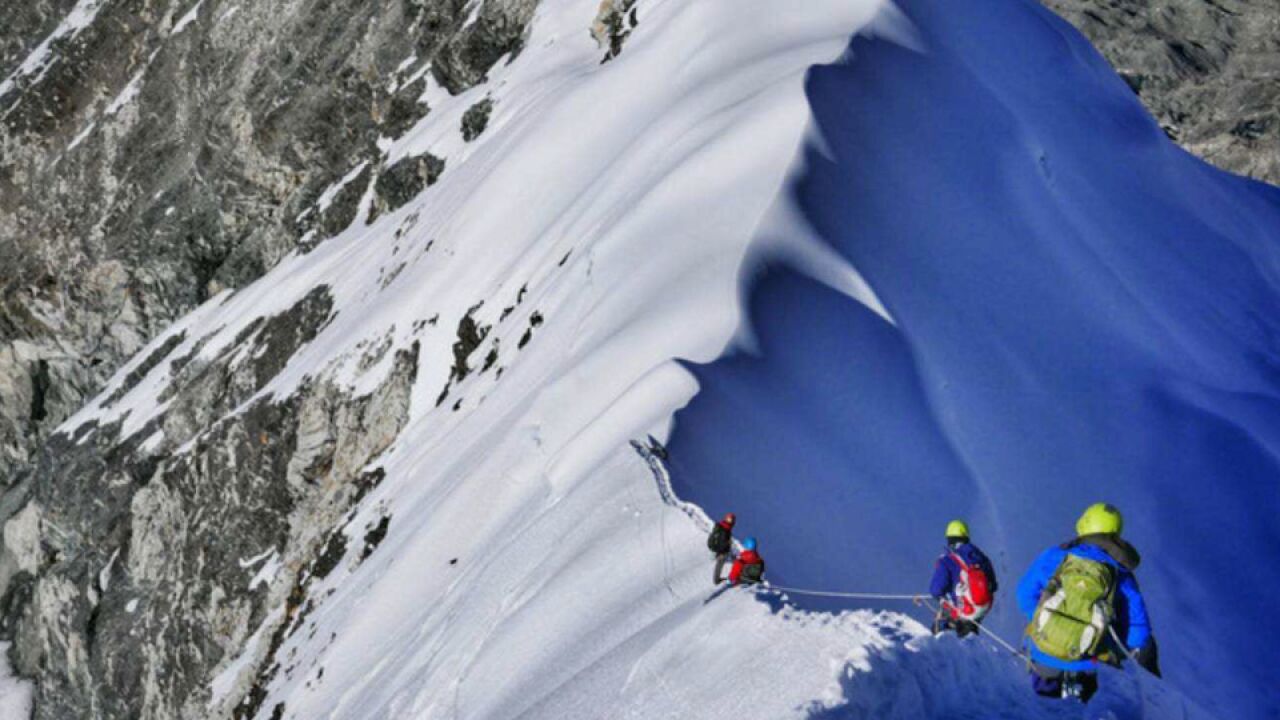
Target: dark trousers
[
  {"x": 721, "y": 559},
  {"x": 1050, "y": 682},
  {"x": 943, "y": 622}
]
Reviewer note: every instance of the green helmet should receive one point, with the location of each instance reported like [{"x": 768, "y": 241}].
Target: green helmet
[
  {"x": 1100, "y": 519},
  {"x": 957, "y": 529}
]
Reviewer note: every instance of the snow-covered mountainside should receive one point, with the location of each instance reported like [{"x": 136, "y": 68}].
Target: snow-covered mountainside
[
  {"x": 394, "y": 477},
  {"x": 1080, "y": 311},
  {"x": 156, "y": 152}
]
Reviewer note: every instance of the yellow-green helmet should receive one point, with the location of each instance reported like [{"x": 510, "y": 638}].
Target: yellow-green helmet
[
  {"x": 957, "y": 529},
  {"x": 1100, "y": 519}
]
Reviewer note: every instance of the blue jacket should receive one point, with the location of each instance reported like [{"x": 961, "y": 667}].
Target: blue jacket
[
  {"x": 946, "y": 573},
  {"x": 1131, "y": 621}
]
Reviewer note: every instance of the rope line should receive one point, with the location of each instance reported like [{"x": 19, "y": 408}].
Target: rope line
[
  {"x": 990, "y": 634},
  {"x": 986, "y": 632},
  {"x": 668, "y": 497},
  {"x": 916, "y": 599},
  {"x": 827, "y": 593},
  {"x": 1120, "y": 644},
  {"x": 1136, "y": 669}
]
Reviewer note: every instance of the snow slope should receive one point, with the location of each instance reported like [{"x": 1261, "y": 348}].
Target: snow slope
[
  {"x": 598, "y": 226},
  {"x": 1081, "y": 312},
  {"x": 533, "y": 566},
  {"x": 15, "y": 695}
]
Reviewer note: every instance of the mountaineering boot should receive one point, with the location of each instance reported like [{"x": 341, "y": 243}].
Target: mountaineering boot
[
  {"x": 1079, "y": 686},
  {"x": 1053, "y": 683}
]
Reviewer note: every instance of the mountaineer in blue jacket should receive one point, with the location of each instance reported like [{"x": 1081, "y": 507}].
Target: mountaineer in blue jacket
[
  {"x": 1083, "y": 606},
  {"x": 964, "y": 583}
]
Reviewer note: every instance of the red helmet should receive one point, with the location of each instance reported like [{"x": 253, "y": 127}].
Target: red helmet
[{"x": 730, "y": 518}]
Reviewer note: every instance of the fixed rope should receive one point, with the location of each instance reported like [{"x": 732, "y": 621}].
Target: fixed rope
[
  {"x": 984, "y": 632},
  {"x": 1137, "y": 673},
  {"x": 826, "y": 593},
  {"x": 915, "y": 599}
]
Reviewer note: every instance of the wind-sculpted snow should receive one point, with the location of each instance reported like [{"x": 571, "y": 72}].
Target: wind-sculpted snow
[
  {"x": 1082, "y": 312},
  {"x": 392, "y": 478}
]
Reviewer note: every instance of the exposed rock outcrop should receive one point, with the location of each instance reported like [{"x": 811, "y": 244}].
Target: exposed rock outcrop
[
  {"x": 140, "y": 566},
  {"x": 168, "y": 149},
  {"x": 1208, "y": 70}
]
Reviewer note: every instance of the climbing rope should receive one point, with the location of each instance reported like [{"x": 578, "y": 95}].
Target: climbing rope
[
  {"x": 1120, "y": 644},
  {"x": 823, "y": 593},
  {"x": 983, "y": 631},
  {"x": 1136, "y": 670},
  {"x": 915, "y": 599}
]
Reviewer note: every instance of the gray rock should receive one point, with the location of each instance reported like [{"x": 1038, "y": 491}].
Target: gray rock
[
  {"x": 126, "y": 587},
  {"x": 119, "y": 214},
  {"x": 615, "y": 20},
  {"x": 499, "y": 31},
  {"x": 1208, "y": 70},
  {"x": 23, "y": 28},
  {"x": 476, "y": 119},
  {"x": 402, "y": 182}
]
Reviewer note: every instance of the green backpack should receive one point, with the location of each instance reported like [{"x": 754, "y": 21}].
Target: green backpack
[{"x": 1075, "y": 609}]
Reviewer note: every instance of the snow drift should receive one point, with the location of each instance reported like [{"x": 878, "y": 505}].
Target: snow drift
[{"x": 1081, "y": 311}]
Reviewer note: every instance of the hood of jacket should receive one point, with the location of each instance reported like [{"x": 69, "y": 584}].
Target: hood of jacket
[{"x": 1115, "y": 547}]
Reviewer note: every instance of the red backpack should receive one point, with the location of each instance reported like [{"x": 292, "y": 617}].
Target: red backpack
[{"x": 973, "y": 592}]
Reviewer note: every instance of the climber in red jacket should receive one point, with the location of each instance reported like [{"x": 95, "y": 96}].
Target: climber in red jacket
[{"x": 748, "y": 568}]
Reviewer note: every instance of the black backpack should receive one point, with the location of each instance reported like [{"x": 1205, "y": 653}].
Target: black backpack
[
  {"x": 752, "y": 573},
  {"x": 719, "y": 541}
]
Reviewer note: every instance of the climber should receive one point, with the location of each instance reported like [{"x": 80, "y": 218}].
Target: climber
[
  {"x": 720, "y": 542},
  {"x": 748, "y": 568},
  {"x": 1084, "y": 607},
  {"x": 964, "y": 583}
]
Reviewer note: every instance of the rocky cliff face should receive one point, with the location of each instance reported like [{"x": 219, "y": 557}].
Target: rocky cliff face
[
  {"x": 154, "y": 152},
  {"x": 133, "y": 570},
  {"x": 1208, "y": 70}
]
